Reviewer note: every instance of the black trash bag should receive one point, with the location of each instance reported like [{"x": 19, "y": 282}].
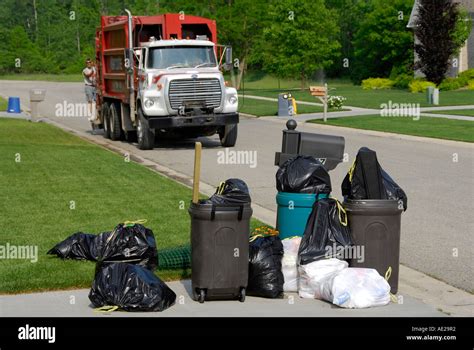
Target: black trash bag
[
  {"x": 231, "y": 191},
  {"x": 303, "y": 174},
  {"x": 327, "y": 234},
  {"x": 133, "y": 243},
  {"x": 367, "y": 180},
  {"x": 265, "y": 276},
  {"x": 130, "y": 288},
  {"x": 80, "y": 246},
  {"x": 394, "y": 191}
]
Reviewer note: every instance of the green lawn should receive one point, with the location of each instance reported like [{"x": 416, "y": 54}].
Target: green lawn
[
  {"x": 463, "y": 112},
  {"x": 74, "y": 78},
  {"x": 267, "y": 86},
  {"x": 56, "y": 168},
  {"x": 3, "y": 104},
  {"x": 270, "y": 108},
  {"x": 458, "y": 130}
]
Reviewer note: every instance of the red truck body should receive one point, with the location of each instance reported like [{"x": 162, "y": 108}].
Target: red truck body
[{"x": 112, "y": 39}]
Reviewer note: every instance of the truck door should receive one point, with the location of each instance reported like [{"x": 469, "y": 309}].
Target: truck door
[{"x": 142, "y": 78}]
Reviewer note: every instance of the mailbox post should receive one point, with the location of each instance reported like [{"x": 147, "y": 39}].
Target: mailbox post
[
  {"x": 36, "y": 96},
  {"x": 321, "y": 92}
]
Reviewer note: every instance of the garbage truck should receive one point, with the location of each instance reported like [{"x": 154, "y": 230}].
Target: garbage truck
[{"x": 163, "y": 75}]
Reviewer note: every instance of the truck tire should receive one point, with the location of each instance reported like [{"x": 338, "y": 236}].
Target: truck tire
[
  {"x": 114, "y": 122},
  {"x": 106, "y": 120},
  {"x": 146, "y": 136},
  {"x": 228, "y": 135}
]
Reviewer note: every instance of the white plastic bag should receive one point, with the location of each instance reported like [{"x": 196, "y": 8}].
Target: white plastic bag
[
  {"x": 317, "y": 275},
  {"x": 288, "y": 263},
  {"x": 358, "y": 288}
]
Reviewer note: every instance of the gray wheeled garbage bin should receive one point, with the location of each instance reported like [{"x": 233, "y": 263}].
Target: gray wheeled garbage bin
[
  {"x": 219, "y": 250},
  {"x": 375, "y": 224}
]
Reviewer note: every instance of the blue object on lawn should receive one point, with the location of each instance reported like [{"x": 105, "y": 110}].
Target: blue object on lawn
[{"x": 13, "y": 105}]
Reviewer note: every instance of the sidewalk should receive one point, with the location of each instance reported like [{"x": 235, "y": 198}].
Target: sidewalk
[{"x": 75, "y": 303}]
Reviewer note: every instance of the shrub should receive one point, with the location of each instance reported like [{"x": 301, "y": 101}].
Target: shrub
[
  {"x": 377, "y": 83},
  {"x": 470, "y": 84},
  {"x": 451, "y": 84},
  {"x": 402, "y": 81},
  {"x": 466, "y": 76},
  {"x": 420, "y": 85},
  {"x": 336, "y": 102}
]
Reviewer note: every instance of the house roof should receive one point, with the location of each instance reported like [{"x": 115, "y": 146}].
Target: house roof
[{"x": 413, "y": 15}]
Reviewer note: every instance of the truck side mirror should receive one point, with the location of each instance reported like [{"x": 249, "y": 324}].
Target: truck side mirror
[{"x": 228, "y": 58}]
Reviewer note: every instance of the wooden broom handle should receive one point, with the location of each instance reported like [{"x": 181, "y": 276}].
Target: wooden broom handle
[{"x": 197, "y": 171}]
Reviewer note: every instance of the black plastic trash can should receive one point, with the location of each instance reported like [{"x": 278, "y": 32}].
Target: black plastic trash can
[
  {"x": 219, "y": 250},
  {"x": 375, "y": 225}
]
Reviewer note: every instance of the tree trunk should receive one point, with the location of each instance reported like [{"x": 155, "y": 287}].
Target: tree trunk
[
  {"x": 303, "y": 81},
  {"x": 78, "y": 40},
  {"x": 243, "y": 67},
  {"x": 36, "y": 21}
]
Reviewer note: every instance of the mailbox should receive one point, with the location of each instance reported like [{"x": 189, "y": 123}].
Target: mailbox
[
  {"x": 328, "y": 149},
  {"x": 285, "y": 105},
  {"x": 37, "y": 95}
]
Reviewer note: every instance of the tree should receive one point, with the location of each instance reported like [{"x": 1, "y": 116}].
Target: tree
[
  {"x": 436, "y": 29},
  {"x": 351, "y": 15},
  {"x": 301, "y": 39},
  {"x": 382, "y": 41}
]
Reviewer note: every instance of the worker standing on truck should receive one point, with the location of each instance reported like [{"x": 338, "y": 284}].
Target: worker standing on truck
[{"x": 90, "y": 74}]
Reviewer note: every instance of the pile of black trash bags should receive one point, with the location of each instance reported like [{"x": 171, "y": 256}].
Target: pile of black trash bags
[
  {"x": 126, "y": 258},
  {"x": 327, "y": 224}
]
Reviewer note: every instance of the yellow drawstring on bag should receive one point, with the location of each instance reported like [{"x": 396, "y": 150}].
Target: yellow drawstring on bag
[
  {"x": 127, "y": 224},
  {"x": 131, "y": 223},
  {"x": 341, "y": 210},
  {"x": 106, "y": 308},
  {"x": 221, "y": 187},
  {"x": 351, "y": 170},
  {"x": 388, "y": 273}
]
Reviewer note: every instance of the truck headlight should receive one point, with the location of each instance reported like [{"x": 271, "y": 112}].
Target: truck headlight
[
  {"x": 149, "y": 103},
  {"x": 233, "y": 100}
]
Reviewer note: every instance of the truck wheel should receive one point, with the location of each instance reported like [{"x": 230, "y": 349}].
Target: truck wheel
[
  {"x": 146, "y": 137},
  {"x": 106, "y": 120},
  {"x": 114, "y": 122},
  {"x": 228, "y": 135}
]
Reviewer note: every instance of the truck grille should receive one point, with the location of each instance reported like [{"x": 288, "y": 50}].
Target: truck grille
[{"x": 198, "y": 92}]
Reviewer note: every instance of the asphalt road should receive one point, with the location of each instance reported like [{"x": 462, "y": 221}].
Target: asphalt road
[{"x": 437, "y": 229}]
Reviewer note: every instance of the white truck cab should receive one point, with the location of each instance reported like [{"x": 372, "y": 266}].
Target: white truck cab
[{"x": 181, "y": 88}]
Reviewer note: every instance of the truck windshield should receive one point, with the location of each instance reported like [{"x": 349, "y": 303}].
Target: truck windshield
[{"x": 181, "y": 57}]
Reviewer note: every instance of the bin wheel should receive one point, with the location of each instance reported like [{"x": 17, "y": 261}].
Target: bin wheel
[
  {"x": 202, "y": 296},
  {"x": 242, "y": 295}
]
